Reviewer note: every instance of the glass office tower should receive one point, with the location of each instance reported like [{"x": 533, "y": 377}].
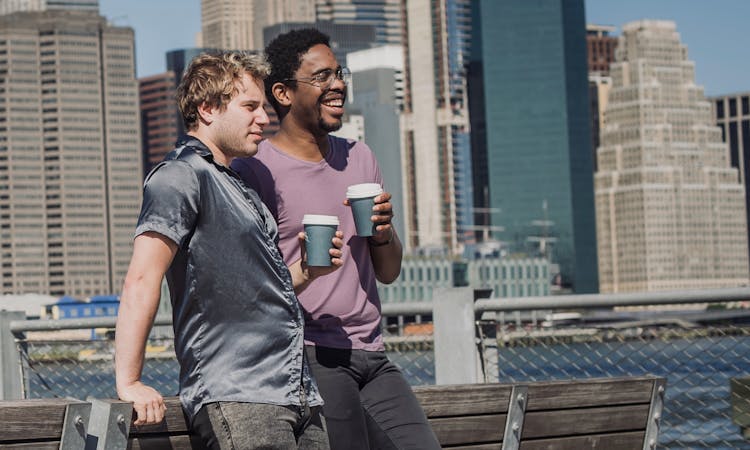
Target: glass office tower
[{"x": 537, "y": 181}]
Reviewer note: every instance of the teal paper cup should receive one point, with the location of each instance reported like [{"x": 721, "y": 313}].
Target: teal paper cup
[
  {"x": 319, "y": 230},
  {"x": 361, "y": 199}
]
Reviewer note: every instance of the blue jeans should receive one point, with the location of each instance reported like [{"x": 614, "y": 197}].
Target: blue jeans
[
  {"x": 368, "y": 403},
  {"x": 244, "y": 426}
]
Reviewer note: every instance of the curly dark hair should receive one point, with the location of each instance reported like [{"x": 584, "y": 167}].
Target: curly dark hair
[{"x": 284, "y": 53}]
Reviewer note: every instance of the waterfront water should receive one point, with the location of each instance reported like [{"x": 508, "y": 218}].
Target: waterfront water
[{"x": 697, "y": 404}]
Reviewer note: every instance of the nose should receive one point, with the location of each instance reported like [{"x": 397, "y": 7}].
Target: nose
[
  {"x": 261, "y": 117},
  {"x": 337, "y": 83}
]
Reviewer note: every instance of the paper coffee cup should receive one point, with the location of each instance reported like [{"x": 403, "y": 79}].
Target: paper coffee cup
[
  {"x": 361, "y": 199},
  {"x": 319, "y": 230}
]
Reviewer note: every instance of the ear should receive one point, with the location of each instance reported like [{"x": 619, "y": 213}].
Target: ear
[
  {"x": 206, "y": 113},
  {"x": 282, "y": 93}
]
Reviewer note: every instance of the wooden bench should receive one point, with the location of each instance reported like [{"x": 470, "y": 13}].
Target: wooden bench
[
  {"x": 608, "y": 414},
  {"x": 43, "y": 424}
]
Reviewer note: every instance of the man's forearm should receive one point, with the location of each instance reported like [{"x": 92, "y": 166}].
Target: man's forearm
[
  {"x": 134, "y": 321},
  {"x": 386, "y": 259}
]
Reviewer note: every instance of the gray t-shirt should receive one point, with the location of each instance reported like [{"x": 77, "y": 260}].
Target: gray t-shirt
[{"x": 238, "y": 325}]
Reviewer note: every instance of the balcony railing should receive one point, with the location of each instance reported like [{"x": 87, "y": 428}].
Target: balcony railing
[{"x": 698, "y": 340}]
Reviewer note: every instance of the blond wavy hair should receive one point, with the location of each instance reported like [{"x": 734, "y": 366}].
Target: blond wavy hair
[{"x": 211, "y": 79}]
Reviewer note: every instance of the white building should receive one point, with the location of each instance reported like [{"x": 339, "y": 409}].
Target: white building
[{"x": 670, "y": 211}]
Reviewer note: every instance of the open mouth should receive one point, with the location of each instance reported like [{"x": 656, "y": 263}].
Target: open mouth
[{"x": 334, "y": 103}]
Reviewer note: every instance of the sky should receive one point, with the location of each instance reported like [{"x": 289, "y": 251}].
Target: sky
[{"x": 715, "y": 32}]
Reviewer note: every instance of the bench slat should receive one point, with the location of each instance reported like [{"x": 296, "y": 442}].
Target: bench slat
[
  {"x": 32, "y": 419},
  {"x": 498, "y": 446},
  {"x": 470, "y": 429},
  {"x": 538, "y": 424},
  {"x": 619, "y": 441},
  {"x": 597, "y": 392},
  {"x": 162, "y": 442},
  {"x": 49, "y": 445},
  {"x": 457, "y": 400}
]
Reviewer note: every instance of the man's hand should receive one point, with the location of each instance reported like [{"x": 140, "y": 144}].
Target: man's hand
[
  {"x": 313, "y": 272},
  {"x": 302, "y": 274},
  {"x": 147, "y": 403},
  {"x": 382, "y": 217}
]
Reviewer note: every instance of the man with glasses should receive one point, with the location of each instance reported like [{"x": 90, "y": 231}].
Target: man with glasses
[{"x": 303, "y": 169}]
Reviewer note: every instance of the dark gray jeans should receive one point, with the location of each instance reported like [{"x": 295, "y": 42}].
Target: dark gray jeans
[
  {"x": 368, "y": 403},
  {"x": 244, "y": 426}
]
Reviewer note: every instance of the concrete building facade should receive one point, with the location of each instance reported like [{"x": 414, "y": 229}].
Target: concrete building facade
[
  {"x": 436, "y": 150},
  {"x": 70, "y": 162},
  {"x": 11, "y": 6},
  {"x": 384, "y": 15},
  {"x": 670, "y": 209},
  {"x": 160, "y": 118},
  {"x": 228, "y": 24},
  {"x": 600, "y": 48},
  {"x": 376, "y": 93},
  {"x": 506, "y": 277}
]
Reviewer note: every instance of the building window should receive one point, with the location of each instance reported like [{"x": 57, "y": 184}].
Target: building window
[
  {"x": 745, "y": 106},
  {"x": 720, "y": 109},
  {"x": 732, "y": 107}
]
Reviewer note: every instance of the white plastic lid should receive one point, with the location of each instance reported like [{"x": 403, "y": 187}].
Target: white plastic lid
[
  {"x": 317, "y": 219},
  {"x": 364, "y": 190}
]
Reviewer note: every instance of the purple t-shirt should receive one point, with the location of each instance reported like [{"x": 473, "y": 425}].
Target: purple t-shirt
[{"x": 342, "y": 309}]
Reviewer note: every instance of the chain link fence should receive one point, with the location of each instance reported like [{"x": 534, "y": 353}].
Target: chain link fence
[
  {"x": 699, "y": 362},
  {"x": 700, "y": 410}
]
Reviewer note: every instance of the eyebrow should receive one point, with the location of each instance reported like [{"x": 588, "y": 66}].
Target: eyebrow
[{"x": 326, "y": 69}]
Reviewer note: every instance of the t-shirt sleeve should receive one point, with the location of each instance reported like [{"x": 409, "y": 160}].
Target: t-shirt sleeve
[{"x": 171, "y": 195}]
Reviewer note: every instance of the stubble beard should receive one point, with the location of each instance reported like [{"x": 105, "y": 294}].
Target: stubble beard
[{"x": 330, "y": 127}]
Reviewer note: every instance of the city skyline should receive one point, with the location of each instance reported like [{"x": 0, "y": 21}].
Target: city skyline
[{"x": 713, "y": 35}]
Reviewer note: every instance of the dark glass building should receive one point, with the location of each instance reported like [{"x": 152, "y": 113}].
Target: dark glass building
[
  {"x": 345, "y": 37},
  {"x": 732, "y": 113},
  {"x": 530, "y": 59}
]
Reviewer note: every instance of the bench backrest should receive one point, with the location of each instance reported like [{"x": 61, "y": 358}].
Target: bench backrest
[
  {"x": 44, "y": 424},
  {"x": 611, "y": 413}
]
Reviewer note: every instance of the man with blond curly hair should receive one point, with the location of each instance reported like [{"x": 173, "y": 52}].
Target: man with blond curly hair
[{"x": 244, "y": 380}]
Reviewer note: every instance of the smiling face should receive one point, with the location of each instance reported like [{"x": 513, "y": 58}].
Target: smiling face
[
  {"x": 237, "y": 129},
  {"x": 319, "y": 108}
]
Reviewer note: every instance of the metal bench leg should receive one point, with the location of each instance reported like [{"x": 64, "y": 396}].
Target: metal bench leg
[
  {"x": 654, "y": 415},
  {"x": 109, "y": 425},
  {"x": 75, "y": 426},
  {"x": 519, "y": 397}
]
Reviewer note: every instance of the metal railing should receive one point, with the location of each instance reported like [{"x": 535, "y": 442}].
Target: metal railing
[{"x": 456, "y": 339}]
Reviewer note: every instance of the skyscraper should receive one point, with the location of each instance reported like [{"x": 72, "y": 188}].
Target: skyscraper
[
  {"x": 435, "y": 125},
  {"x": 70, "y": 185},
  {"x": 601, "y": 46},
  {"x": 384, "y": 15},
  {"x": 732, "y": 113},
  {"x": 160, "y": 117},
  {"x": 670, "y": 209},
  {"x": 11, "y": 6},
  {"x": 376, "y": 93},
  {"x": 228, "y": 24},
  {"x": 534, "y": 170},
  {"x": 272, "y": 12},
  {"x": 344, "y": 37}
]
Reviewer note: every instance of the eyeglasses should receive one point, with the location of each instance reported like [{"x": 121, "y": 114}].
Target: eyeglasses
[{"x": 324, "y": 79}]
